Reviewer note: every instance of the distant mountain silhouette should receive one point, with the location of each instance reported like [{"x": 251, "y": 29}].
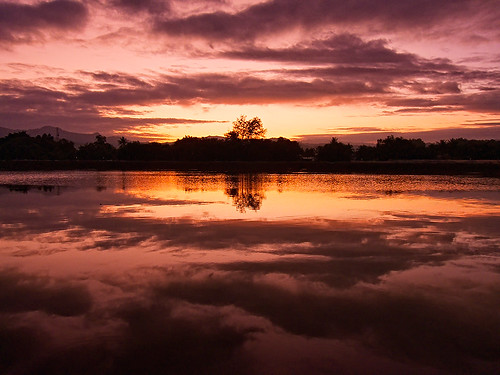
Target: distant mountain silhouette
[{"x": 77, "y": 138}]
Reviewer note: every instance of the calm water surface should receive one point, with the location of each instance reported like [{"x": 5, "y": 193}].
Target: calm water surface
[{"x": 175, "y": 273}]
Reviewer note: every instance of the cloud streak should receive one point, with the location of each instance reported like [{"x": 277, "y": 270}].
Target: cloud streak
[
  {"x": 335, "y": 49},
  {"x": 26, "y": 22},
  {"x": 276, "y": 16},
  {"x": 337, "y": 70}
]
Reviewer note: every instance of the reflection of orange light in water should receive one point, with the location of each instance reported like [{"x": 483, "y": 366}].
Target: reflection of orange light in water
[
  {"x": 328, "y": 196},
  {"x": 195, "y": 199},
  {"x": 320, "y": 250}
]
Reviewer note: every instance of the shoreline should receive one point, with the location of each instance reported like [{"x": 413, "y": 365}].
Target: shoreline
[{"x": 485, "y": 168}]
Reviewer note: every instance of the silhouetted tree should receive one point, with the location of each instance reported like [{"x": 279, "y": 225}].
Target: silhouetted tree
[
  {"x": 394, "y": 148},
  {"x": 463, "y": 149},
  {"x": 247, "y": 129},
  {"x": 144, "y": 151},
  {"x": 98, "y": 150},
  {"x": 335, "y": 151},
  {"x": 365, "y": 153},
  {"x": 21, "y": 146},
  {"x": 57, "y": 150},
  {"x": 194, "y": 148},
  {"x": 309, "y": 153},
  {"x": 122, "y": 142}
]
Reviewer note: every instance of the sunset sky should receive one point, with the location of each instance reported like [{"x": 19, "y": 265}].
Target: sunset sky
[{"x": 162, "y": 69}]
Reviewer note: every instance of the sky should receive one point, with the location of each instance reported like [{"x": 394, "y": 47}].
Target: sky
[{"x": 164, "y": 69}]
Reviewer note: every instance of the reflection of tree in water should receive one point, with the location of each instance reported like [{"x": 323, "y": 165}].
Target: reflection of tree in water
[
  {"x": 27, "y": 188},
  {"x": 247, "y": 191}
]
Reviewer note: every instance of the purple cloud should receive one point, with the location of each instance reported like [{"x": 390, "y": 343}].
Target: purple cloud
[
  {"x": 336, "y": 49},
  {"x": 333, "y": 71},
  {"x": 151, "y": 6},
  {"x": 276, "y": 16},
  {"x": 24, "y": 105},
  {"x": 483, "y": 102},
  {"x": 22, "y": 22}
]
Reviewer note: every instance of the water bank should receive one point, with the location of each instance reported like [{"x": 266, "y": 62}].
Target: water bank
[{"x": 489, "y": 168}]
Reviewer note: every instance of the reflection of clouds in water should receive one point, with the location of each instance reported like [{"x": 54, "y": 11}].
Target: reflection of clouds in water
[
  {"x": 201, "y": 318},
  {"x": 20, "y": 292},
  {"x": 405, "y": 319},
  {"x": 417, "y": 238},
  {"x": 408, "y": 292},
  {"x": 125, "y": 336}
]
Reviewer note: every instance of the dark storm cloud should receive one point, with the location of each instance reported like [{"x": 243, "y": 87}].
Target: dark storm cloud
[
  {"x": 20, "y": 22},
  {"x": 275, "y": 16}
]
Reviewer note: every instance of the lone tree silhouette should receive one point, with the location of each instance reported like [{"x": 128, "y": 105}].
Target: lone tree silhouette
[{"x": 247, "y": 129}]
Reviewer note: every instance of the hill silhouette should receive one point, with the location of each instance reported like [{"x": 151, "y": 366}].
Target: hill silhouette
[{"x": 58, "y": 133}]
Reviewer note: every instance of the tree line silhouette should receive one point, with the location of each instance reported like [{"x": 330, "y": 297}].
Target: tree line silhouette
[
  {"x": 21, "y": 146},
  {"x": 245, "y": 142},
  {"x": 399, "y": 148}
]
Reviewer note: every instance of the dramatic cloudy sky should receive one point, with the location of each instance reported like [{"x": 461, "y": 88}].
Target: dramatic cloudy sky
[{"x": 167, "y": 68}]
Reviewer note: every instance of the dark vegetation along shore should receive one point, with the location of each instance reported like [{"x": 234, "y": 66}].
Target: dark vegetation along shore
[
  {"x": 247, "y": 153},
  {"x": 486, "y": 168}
]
